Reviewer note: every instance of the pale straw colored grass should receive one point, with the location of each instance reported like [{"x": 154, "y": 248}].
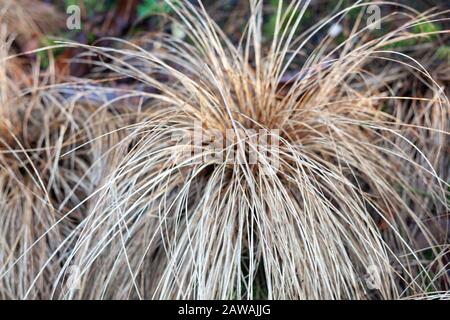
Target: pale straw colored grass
[{"x": 344, "y": 197}]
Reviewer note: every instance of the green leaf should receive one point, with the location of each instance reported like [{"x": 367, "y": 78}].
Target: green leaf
[
  {"x": 422, "y": 27},
  {"x": 43, "y": 55},
  {"x": 402, "y": 44},
  {"x": 426, "y": 27},
  {"x": 443, "y": 52},
  {"x": 149, "y": 7}
]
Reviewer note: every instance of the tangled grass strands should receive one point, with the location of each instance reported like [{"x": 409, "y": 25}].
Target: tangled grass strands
[
  {"x": 40, "y": 189},
  {"x": 174, "y": 227}
]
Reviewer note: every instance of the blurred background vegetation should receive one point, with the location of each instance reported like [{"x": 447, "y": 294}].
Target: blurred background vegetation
[{"x": 132, "y": 18}]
